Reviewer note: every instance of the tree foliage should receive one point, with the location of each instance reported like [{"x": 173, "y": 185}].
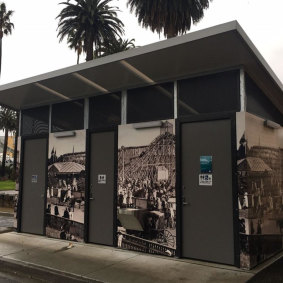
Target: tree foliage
[
  {"x": 114, "y": 46},
  {"x": 8, "y": 123},
  {"x": 6, "y": 26},
  {"x": 172, "y": 17},
  {"x": 92, "y": 21},
  {"x": 76, "y": 43}
]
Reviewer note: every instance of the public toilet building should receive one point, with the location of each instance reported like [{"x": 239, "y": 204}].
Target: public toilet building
[{"x": 173, "y": 148}]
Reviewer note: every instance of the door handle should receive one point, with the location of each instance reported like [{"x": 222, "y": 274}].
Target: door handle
[
  {"x": 91, "y": 196},
  {"x": 184, "y": 202}
]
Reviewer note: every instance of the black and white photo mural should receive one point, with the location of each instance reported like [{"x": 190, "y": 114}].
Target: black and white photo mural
[
  {"x": 260, "y": 197},
  {"x": 17, "y": 181},
  {"x": 146, "y": 188},
  {"x": 66, "y": 187}
]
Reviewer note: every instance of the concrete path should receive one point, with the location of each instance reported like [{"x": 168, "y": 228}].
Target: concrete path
[
  {"x": 9, "y": 192},
  {"x": 6, "y": 222},
  {"x": 107, "y": 264}
]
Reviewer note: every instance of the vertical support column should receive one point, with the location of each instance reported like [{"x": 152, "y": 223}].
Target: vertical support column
[
  {"x": 124, "y": 107},
  {"x": 50, "y": 114},
  {"x": 20, "y": 123},
  {"x": 243, "y": 97},
  {"x": 86, "y": 113},
  {"x": 175, "y": 100}
]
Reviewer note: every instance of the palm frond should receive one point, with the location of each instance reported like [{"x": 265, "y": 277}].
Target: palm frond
[
  {"x": 172, "y": 17},
  {"x": 94, "y": 21}
]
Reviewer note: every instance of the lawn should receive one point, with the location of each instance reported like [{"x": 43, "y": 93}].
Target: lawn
[{"x": 7, "y": 185}]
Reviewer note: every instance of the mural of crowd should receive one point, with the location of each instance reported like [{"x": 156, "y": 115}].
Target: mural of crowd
[
  {"x": 66, "y": 193},
  {"x": 260, "y": 192},
  {"x": 146, "y": 190}
]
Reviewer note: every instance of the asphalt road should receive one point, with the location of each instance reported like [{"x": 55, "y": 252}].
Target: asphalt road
[
  {"x": 13, "y": 273},
  {"x": 7, "y": 276}
]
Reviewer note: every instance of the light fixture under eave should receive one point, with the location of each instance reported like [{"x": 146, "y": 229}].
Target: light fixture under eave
[
  {"x": 52, "y": 91},
  {"x": 90, "y": 83},
  {"x": 271, "y": 124},
  {"x": 138, "y": 73},
  {"x": 65, "y": 134},
  {"x": 145, "y": 125}
]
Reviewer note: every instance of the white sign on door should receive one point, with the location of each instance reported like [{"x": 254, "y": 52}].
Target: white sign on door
[
  {"x": 205, "y": 179},
  {"x": 34, "y": 178},
  {"x": 101, "y": 179}
]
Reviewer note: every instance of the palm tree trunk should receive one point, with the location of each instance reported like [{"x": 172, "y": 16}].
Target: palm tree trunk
[
  {"x": 171, "y": 32},
  {"x": 4, "y": 153},
  {"x": 0, "y": 53},
  {"x": 78, "y": 57},
  {"x": 89, "y": 47}
]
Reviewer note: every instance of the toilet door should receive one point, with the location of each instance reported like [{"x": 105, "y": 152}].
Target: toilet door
[
  {"x": 101, "y": 201},
  {"x": 34, "y": 186},
  {"x": 207, "y": 205}
]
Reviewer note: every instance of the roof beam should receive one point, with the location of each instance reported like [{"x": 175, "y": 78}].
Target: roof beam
[
  {"x": 90, "y": 83},
  {"x": 138, "y": 73},
  {"x": 52, "y": 91}
]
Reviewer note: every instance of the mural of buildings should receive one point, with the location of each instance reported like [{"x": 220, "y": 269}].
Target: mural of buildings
[
  {"x": 146, "y": 190},
  {"x": 260, "y": 192},
  {"x": 66, "y": 188}
]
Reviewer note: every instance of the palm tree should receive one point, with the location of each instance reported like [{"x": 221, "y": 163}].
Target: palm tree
[
  {"x": 94, "y": 21},
  {"x": 75, "y": 43},
  {"x": 5, "y": 26},
  {"x": 173, "y": 17},
  {"x": 8, "y": 123},
  {"x": 115, "y": 46}
]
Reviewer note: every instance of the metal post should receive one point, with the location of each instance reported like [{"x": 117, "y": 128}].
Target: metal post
[
  {"x": 20, "y": 123},
  {"x": 243, "y": 97},
  {"x": 86, "y": 113},
  {"x": 175, "y": 100},
  {"x": 50, "y": 114},
  {"x": 124, "y": 107}
]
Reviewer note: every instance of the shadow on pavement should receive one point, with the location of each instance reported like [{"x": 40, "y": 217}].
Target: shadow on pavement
[{"x": 272, "y": 274}]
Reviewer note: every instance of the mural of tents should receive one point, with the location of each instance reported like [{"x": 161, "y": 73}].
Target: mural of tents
[
  {"x": 253, "y": 164},
  {"x": 64, "y": 168},
  {"x": 67, "y": 173}
]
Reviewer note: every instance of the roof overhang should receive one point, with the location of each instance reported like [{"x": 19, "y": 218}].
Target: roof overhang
[{"x": 218, "y": 48}]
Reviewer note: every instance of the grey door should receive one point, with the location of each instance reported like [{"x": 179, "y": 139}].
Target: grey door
[
  {"x": 101, "y": 203},
  {"x": 207, "y": 210},
  {"x": 34, "y": 186}
]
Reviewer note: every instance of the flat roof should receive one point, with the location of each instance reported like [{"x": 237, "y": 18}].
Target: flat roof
[{"x": 218, "y": 48}]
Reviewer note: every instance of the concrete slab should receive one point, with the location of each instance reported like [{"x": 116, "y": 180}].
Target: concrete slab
[
  {"x": 33, "y": 252},
  {"x": 6, "y": 220},
  {"x": 108, "y": 264},
  {"x": 9, "y": 192},
  {"x": 102, "y": 259},
  {"x": 154, "y": 269}
]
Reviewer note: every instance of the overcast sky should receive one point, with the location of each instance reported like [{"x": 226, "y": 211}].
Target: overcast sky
[{"x": 33, "y": 48}]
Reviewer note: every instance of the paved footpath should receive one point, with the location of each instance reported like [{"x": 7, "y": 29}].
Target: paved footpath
[
  {"x": 94, "y": 263},
  {"x": 6, "y": 222}
]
